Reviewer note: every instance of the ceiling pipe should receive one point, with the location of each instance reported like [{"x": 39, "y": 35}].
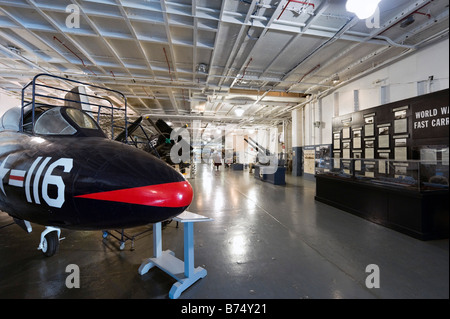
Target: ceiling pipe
[
  {"x": 305, "y": 75},
  {"x": 348, "y": 24},
  {"x": 71, "y": 51},
  {"x": 245, "y": 70},
  {"x": 208, "y": 117}
]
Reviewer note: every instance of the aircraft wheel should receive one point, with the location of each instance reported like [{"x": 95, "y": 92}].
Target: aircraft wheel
[{"x": 50, "y": 244}]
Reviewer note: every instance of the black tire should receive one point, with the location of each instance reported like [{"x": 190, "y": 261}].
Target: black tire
[{"x": 50, "y": 244}]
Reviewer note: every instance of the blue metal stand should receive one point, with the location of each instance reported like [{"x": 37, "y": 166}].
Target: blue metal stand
[{"x": 184, "y": 272}]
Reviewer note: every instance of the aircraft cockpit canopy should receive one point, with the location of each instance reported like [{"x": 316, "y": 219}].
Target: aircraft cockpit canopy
[{"x": 67, "y": 121}]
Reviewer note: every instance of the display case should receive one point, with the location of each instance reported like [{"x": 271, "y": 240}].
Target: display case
[
  {"x": 413, "y": 175},
  {"x": 410, "y": 196}
]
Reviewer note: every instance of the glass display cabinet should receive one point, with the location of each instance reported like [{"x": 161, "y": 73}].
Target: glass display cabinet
[
  {"x": 410, "y": 196},
  {"x": 411, "y": 174}
]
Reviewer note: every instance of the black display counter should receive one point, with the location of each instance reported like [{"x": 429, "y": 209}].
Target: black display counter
[
  {"x": 421, "y": 214},
  {"x": 278, "y": 178},
  {"x": 237, "y": 167}
]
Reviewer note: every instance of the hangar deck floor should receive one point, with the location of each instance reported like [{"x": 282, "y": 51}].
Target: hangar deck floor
[{"x": 266, "y": 241}]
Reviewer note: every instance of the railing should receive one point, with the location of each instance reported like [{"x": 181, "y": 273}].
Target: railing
[{"x": 48, "y": 95}]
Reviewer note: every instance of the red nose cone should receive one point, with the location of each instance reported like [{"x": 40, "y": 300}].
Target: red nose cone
[{"x": 178, "y": 194}]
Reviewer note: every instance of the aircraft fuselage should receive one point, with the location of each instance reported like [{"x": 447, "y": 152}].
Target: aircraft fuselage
[{"x": 86, "y": 183}]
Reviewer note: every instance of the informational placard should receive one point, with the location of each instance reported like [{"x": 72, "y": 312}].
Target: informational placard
[
  {"x": 401, "y": 153},
  {"x": 369, "y": 169},
  {"x": 400, "y": 119},
  {"x": 336, "y": 160},
  {"x": 369, "y": 126},
  {"x": 346, "y": 132},
  {"x": 445, "y": 156},
  {"x": 383, "y": 167},
  {"x": 357, "y": 139},
  {"x": 428, "y": 155},
  {"x": 397, "y": 131},
  {"x": 346, "y": 149},
  {"x": 309, "y": 160},
  {"x": 336, "y": 144},
  {"x": 383, "y": 136},
  {"x": 357, "y": 156},
  {"x": 368, "y": 130}
]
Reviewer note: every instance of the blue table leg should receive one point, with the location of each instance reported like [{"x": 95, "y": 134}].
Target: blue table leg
[
  {"x": 192, "y": 275},
  {"x": 167, "y": 261},
  {"x": 157, "y": 250},
  {"x": 188, "y": 249}
]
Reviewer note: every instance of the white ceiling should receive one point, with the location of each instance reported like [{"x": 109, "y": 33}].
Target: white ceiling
[{"x": 201, "y": 59}]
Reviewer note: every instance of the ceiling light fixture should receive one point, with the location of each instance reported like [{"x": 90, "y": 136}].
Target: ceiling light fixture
[
  {"x": 239, "y": 111},
  {"x": 363, "y": 9},
  {"x": 336, "y": 79},
  {"x": 202, "y": 68}
]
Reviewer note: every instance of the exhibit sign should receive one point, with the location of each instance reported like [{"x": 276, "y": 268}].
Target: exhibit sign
[
  {"x": 309, "y": 159},
  {"x": 430, "y": 121}
]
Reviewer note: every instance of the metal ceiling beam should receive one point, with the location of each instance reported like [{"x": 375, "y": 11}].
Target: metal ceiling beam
[
  {"x": 348, "y": 24},
  {"x": 39, "y": 38},
  {"x": 135, "y": 37},
  {"x": 30, "y": 31},
  {"x": 238, "y": 42},
  {"x": 173, "y": 100},
  {"x": 258, "y": 42},
  {"x": 216, "y": 42},
  {"x": 396, "y": 19},
  {"x": 317, "y": 13},
  {"x": 195, "y": 39},
  {"x": 139, "y": 45},
  {"x": 55, "y": 25},
  {"x": 169, "y": 37}
]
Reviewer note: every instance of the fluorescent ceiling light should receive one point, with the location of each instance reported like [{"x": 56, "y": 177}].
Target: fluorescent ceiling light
[{"x": 362, "y": 8}]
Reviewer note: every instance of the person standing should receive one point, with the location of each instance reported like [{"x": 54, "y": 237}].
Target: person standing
[{"x": 217, "y": 160}]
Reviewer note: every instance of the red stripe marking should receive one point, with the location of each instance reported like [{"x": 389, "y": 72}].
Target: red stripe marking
[
  {"x": 179, "y": 194},
  {"x": 17, "y": 178}
]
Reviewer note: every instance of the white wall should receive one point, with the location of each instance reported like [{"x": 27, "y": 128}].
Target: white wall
[
  {"x": 403, "y": 79},
  {"x": 7, "y": 102}
]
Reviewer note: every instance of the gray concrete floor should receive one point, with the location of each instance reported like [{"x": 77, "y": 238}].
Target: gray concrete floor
[{"x": 266, "y": 241}]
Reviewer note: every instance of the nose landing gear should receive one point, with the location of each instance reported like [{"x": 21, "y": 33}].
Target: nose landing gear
[{"x": 49, "y": 241}]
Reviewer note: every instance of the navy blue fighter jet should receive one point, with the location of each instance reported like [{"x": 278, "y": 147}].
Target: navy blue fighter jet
[{"x": 59, "y": 169}]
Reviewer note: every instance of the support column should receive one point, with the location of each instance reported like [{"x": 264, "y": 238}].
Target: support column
[{"x": 297, "y": 142}]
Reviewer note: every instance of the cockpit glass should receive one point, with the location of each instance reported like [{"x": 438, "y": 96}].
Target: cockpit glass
[
  {"x": 52, "y": 123},
  {"x": 82, "y": 119}
]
